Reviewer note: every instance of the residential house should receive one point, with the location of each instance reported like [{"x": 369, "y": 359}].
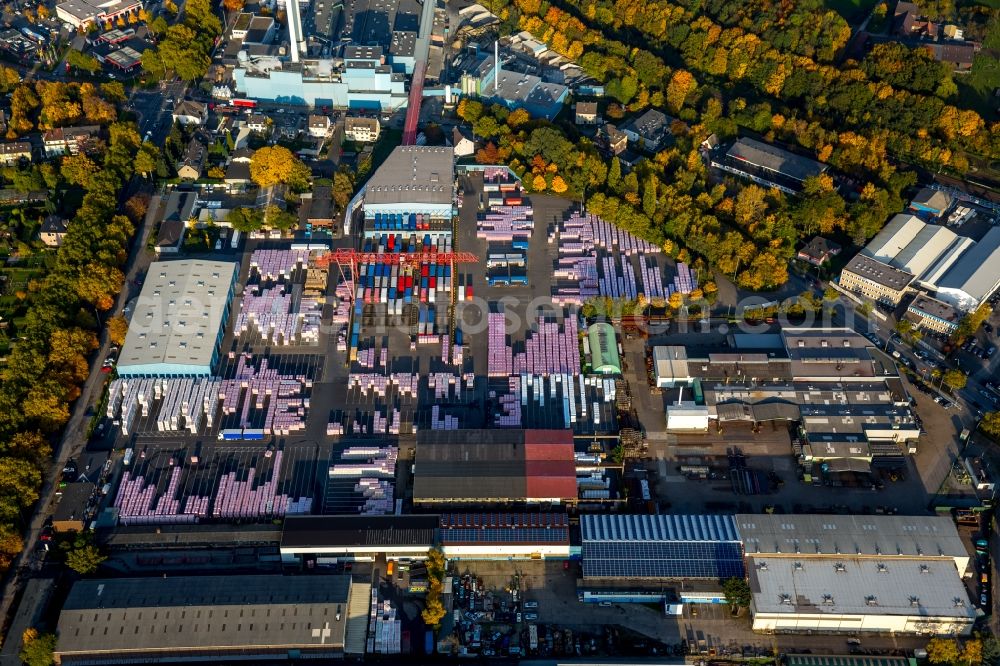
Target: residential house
[
  {"x": 649, "y": 131},
  {"x": 288, "y": 128},
  {"x": 68, "y": 140},
  {"x": 362, "y": 130},
  {"x": 586, "y": 113},
  {"x": 53, "y": 230},
  {"x": 462, "y": 143},
  {"x": 612, "y": 140},
  {"x": 818, "y": 251},
  {"x": 189, "y": 112},
  {"x": 258, "y": 123},
  {"x": 319, "y": 207},
  {"x": 319, "y": 126},
  {"x": 193, "y": 162},
  {"x": 176, "y": 212},
  {"x": 12, "y": 153},
  {"x": 237, "y": 175},
  {"x": 908, "y": 21}
]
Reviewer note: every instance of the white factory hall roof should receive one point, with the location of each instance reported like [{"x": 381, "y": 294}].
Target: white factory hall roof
[
  {"x": 826, "y": 534},
  {"x": 177, "y": 317},
  {"x": 978, "y": 271},
  {"x": 414, "y": 174},
  {"x": 851, "y": 586},
  {"x": 912, "y": 245}
]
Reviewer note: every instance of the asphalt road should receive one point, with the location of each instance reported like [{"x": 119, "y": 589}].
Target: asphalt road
[{"x": 74, "y": 436}]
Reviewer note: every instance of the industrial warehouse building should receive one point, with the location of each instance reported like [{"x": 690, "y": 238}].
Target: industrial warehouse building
[
  {"x": 329, "y": 539},
  {"x": 880, "y": 574},
  {"x": 197, "y": 619},
  {"x": 872, "y": 537},
  {"x": 650, "y": 548},
  {"x": 413, "y": 181},
  {"x": 909, "y": 253},
  {"x": 852, "y": 595},
  {"x": 179, "y": 319},
  {"x": 504, "y": 536},
  {"x": 768, "y": 165},
  {"x": 498, "y": 466}
]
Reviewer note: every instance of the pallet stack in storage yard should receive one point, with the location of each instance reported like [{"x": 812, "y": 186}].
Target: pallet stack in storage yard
[
  {"x": 506, "y": 225},
  {"x": 595, "y": 258},
  {"x": 141, "y": 501}
]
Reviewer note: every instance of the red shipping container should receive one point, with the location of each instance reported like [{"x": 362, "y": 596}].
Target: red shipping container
[
  {"x": 468, "y": 293},
  {"x": 424, "y": 270},
  {"x": 433, "y": 282},
  {"x": 409, "y": 281}
]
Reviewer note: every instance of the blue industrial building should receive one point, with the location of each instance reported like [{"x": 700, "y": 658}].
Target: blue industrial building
[
  {"x": 661, "y": 547},
  {"x": 358, "y": 83},
  {"x": 514, "y": 90}
]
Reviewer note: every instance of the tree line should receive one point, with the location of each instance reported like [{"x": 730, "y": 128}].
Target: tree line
[
  {"x": 46, "y": 368},
  {"x": 777, "y": 58}
]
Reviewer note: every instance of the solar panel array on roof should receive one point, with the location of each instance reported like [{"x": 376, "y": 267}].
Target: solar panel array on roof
[
  {"x": 662, "y": 547},
  {"x": 659, "y": 528},
  {"x": 510, "y": 528}
]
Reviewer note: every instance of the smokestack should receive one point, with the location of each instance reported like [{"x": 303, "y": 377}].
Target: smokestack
[
  {"x": 496, "y": 65},
  {"x": 296, "y": 43}
]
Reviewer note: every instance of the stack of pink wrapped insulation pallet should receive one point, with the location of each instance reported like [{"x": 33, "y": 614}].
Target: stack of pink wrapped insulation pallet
[
  {"x": 499, "y": 352},
  {"x": 441, "y": 421},
  {"x": 549, "y": 350},
  {"x": 284, "y": 398},
  {"x": 509, "y": 415},
  {"x": 240, "y": 499}
]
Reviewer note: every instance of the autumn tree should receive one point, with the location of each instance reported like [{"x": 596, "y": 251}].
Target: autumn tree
[
  {"x": 943, "y": 651},
  {"x": 245, "y": 220},
  {"x": 990, "y": 424},
  {"x": 681, "y": 85},
  {"x": 233, "y": 5},
  {"x": 343, "y": 189},
  {"x": 954, "y": 379},
  {"x": 273, "y": 165},
  {"x": 82, "y": 61},
  {"x": 78, "y": 169},
  {"x": 37, "y": 649},
  {"x": 9, "y": 78},
  {"x": 117, "y": 330},
  {"x": 558, "y": 185},
  {"x": 83, "y": 556},
  {"x": 19, "y": 486}
]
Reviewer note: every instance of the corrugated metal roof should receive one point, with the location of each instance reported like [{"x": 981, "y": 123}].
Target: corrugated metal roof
[
  {"x": 977, "y": 271},
  {"x": 686, "y": 527}
]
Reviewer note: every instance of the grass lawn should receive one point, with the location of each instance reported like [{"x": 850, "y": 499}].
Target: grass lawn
[
  {"x": 975, "y": 89},
  {"x": 851, "y": 8}
]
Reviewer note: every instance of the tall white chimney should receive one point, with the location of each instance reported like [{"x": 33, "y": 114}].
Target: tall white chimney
[
  {"x": 296, "y": 41},
  {"x": 496, "y": 65}
]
